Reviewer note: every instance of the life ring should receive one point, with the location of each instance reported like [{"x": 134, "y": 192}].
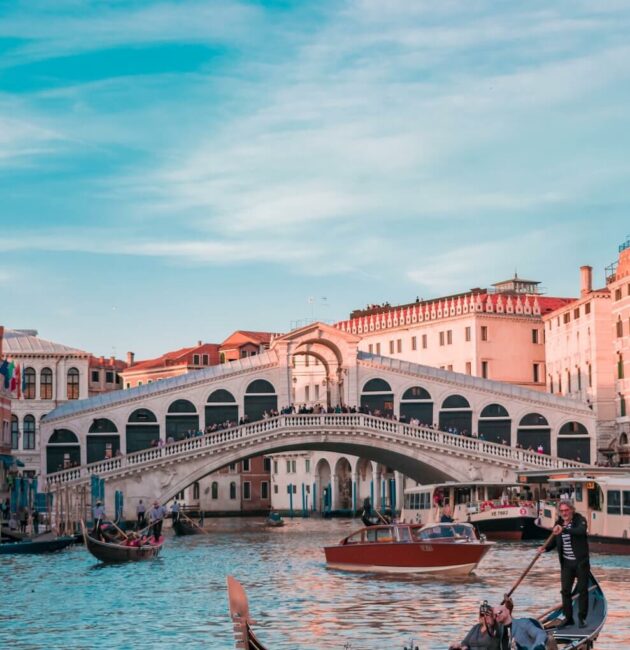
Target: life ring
[
  {"x": 486, "y": 505},
  {"x": 523, "y": 511}
]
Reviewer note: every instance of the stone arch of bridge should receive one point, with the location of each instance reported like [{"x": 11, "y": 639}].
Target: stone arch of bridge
[{"x": 420, "y": 465}]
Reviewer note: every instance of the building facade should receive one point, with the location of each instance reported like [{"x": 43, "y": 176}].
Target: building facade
[
  {"x": 6, "y": 460},
  {"x": 618, "y": 282},
  {"x": 491, "y": 333}
]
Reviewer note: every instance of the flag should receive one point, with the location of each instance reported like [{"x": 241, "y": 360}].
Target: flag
[
  {"x": 4, "y": 370},
  {"x": 16, "y": 382}
]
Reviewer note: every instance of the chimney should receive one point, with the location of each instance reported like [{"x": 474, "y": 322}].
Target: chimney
[
  {"x": 199, "y": 344},
  {"x": 130, "y": 356},
  {"x": 112, "y": 360},
  {"x": 101, "y": 360},
  {"x": 586, "y": 280}
]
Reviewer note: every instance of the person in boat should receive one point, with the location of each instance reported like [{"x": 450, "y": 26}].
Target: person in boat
[
  {"x": 141, "y": 511},
  {"x": 482, "y": 636},
  {"x": 98, "y": 514},
  {"x": 522, "y": 633},
  {"x": 571, "y": 541},
  {"x": 175, "y": 510},
  {"x": 446, "y": 517},
  {"x": 23, "y": 520},
  {"x": 156, "y": 518}
]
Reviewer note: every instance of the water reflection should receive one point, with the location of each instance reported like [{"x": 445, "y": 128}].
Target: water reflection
[{"x": 70, "y": 601}]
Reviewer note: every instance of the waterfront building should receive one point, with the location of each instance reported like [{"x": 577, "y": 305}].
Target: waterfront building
[
  {"x": 51, "y": 374},
  {"x": 492, "y": 333},
  {"x": 578, "y": 349},
  {"x": 244, "y": 343},
  {"x": 6, "y": 460},
  {"x": 618, "y": 282}
]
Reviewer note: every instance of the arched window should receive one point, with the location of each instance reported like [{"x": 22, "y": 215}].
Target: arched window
[
  {"x": 377, "y": 386},
  {"x": 260, "y": 386},
  {"x": 102, "y": 425},
  {"x": 261, "y": 396},
  {"x": 28, "y": 427},
  {"x": 221, "y": 407},
  {"x": 573, "y": 429},
  {"x": 181, "y": 420},
  {"x": 377, "y": 397},
  {"x": 619, "y": 328},
  {"x": 196, "y": 490},
  {"x": 63, "y": 436},
  {"x": 416, "y": 392},
  {"x": 533, "y": 420},
  {"x": 232, "y": 490},
  {"x": 63, "y": 451},
  {"x": 619, "y": 366},
  {"x": 215, "y": 490},
  {"x": 455, "y": 402},
  {"x": 456, "y": 415},
  {"x": 494, "y": 411},
  {"x": 182, "y": 406},
  {"x": 72, "y": 388},
  {"x": 15, "y": 432},
  {"x": 222, "y": 357},
  {"x": 29, "y": 383},
  {"x": 46, "y": 384},
  {"x": 221, "y": 396},
  {"x": 534, "y": 433},
  {"x": 416, "y": 403},
  {"x": 495, "y": 424},
  {"x": 142, "y": 430}
]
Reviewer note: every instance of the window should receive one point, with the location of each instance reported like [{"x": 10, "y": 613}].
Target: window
[
  {"x": 587, "y": 308},
  {"x": 307, "y": 392},
  {"x": 307, "y": 465},
  {"x": 622, "y": 406},
  {"x": 579, "y": 379},
  {"x": 232, "y": 490},
  {"x": 196, "y": 490},
  {"x": 275, "y": 466},
  {"x": 424, "y": 341},
  {"x": 536, "y": 371},
  {"x": 468, "y": 368},
  {"x": 293, "y": 466},
  {"x": 449, "y": 337},
  {"x": 568, "y": 381},
  {"x": 215, "y": 490},
  {"x": 205, "y": 360},
  {"x": 15, "y": 432},
  {"x": 267, "y": 464},
  {"x": 264, "y": 490},
  {"x": 619, "y": 328},
  {"x": 399, "y": 345},
  {"x": 28, "y": 429},
  {"x": 613, "y": 501},
  {"x": 484, "y": 369},
  {"x": 618, "y": 294},
  {"x": 96, "y": 376},
  {"x": 450, "y": 367},
  {"x": 29, "y": 383},
  {"x": 468, "y": 334},
  {"x": 535, "y": 336},
  {"x": 626, "y": 502},
  {"x": 72, "y": 386},
  {"x": 566, "y": 318},
  {"x": 316, "y": 392},
  {"x": 45, "y": 384},
  {"x": 109, "y": 377},
  {"x": 195, "y": 359},
  {"x": 414, "y": 343},
  {"x": 246, "y": 465},
  {"x": 590, "y": 376},
  {"x": 288, "y": 466},
  {"x": 441, "y": 338},
  {"x": 371, "y": 348},
  {"x": 550, "y": 383},
  {"x": 275, "y": 489},
  {"x": 127, "y": 385},
  {"x": 378, "y": 348},
  {"x": 576, "y": 313},
  {"x": 247, "y": 490},
  {"x": 391, "y": 347},
  {"x": 222, "y": 357},
  {"x": 232, "y": 467},
  {"x": 484, "y": 333}
]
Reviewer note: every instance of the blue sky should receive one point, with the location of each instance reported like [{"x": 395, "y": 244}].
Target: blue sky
[{"x": 172, "y": 171}]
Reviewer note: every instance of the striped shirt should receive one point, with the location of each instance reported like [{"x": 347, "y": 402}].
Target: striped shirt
[{"x": 567, "y": 545}]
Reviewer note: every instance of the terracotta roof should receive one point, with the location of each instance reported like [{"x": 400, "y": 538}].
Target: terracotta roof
[
  {"x": 244, "y": 336},
  {"x": 177, "y": 357}
]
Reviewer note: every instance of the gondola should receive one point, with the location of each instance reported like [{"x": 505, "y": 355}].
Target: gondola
[
  {"x": 183, "y": 527},
  {"x": 36, "y": 546},
  {"x": 115, "y": 550},
  {"x": 239, "y": 611},
  {"x": 573, "y": 637}
]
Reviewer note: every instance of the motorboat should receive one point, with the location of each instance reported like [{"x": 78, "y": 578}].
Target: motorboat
[
  {"x": 446, "y": 548},
  {"x": 500, "y": 511}
]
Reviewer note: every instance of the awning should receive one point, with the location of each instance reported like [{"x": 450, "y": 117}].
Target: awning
[{"x": 9, "y": 461}]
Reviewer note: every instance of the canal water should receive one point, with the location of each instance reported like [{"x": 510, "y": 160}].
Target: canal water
[{"x": 69, "y": 600}]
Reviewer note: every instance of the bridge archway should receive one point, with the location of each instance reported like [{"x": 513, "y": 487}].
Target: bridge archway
[
  {"x": 221, "y": 406},
  {"x": 306, "y": 383},
  {"x": 260, "y": 397},
  {"x": 573, "y": 442},
  {"x": 142, "y": 429},
  {"x": 456, "y": 413},
  {"x": 63, "y": 450},
  {"x": 342, "y": 500},
  {"x": 377, "y": 395},
  {"x": 181, "y": 418},
  {"x": 416, "y": 402},
  {"x": 534, "y": 431},
  {"x": 102, "y": 440},
  {"x": 495, "y": 424},
  {"x": 323, "y": 481}
]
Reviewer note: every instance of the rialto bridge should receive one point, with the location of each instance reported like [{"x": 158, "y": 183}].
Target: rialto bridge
[{"x": 113, "y": 435}]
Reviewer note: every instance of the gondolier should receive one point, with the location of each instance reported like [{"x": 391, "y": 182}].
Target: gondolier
[
  {"x": 98, "y": 514},
  {"x": 156, "y": 518},
  {"x": 570, "y": 539},
  {"x": 175, "y": 509}
]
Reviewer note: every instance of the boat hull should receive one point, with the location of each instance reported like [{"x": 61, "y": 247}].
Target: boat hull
[
  {"x": 114, "y": 553},
  {"x": 36, "y": 547},
  {"x": 510, "y": 528},
  {"x": 415, "y": 557},
  {"x": 185, "y": 528}
]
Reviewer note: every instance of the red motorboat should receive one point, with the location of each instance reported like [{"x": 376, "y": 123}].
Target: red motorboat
[{"x": 448, "y": 548}]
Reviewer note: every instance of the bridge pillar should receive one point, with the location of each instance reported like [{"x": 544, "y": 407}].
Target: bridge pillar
[
  {"x": 355, "y": 488},
  {"x": 378, "y": 490},
  {"x": 334, "y": 497},
  {"x": 400, "y": 484}
]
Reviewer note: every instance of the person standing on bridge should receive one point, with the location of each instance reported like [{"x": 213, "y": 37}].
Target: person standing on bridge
[
  {"x": 175, "y": 509},
  {"x": 141, "y": 510},
  {"x": 156, "y": 518}
]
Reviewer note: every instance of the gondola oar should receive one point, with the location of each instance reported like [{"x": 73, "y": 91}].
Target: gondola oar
[
  {"x": 120, "y": 530},
  {"x": 527, "y": 569},
  {"x": 183, "y": 514}
]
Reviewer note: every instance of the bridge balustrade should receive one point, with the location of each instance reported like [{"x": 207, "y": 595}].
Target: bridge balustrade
[{"x": 309, "y": 424}]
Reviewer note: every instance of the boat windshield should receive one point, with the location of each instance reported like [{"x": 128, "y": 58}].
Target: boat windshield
[
  {"x": 380, "y": 534},
  {"x": 445, "y": 531}
]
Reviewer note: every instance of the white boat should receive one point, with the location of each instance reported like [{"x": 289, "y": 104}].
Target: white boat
[
  {"x": 602, "y": 496},
  {"x": 498, "y": 510}
]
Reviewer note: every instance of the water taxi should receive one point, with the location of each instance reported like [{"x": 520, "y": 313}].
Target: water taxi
[
  {"x": 446, "y": 548},
  {"x": 501, "y": 511},
  {"x": 602, "y": 496}
]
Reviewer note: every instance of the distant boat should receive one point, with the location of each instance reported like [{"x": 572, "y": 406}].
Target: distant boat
[
  {"x": 183, "y": 527},
  {"x": 117, "y": 550},
  {"x": 274, "y": 520},
  {"x": 239, "y": 611},
  {"x": 36, "y": 546},
  {"x": 446, "y": 548}
]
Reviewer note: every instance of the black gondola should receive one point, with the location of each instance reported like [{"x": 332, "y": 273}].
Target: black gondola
[
  {"x": 36, "y": 546},
  {"x": 239, "y": 611},
  {"x": 115, "y": 550},
  {"x": 573, "y": 637},
  {"x": 182, "y": 526}
]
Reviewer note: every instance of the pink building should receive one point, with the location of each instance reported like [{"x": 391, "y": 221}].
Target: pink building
[
  {"x": 618, "y": 280},
  {"x": 492, "y": 333},
  {"x": 5, "y": 429}
]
